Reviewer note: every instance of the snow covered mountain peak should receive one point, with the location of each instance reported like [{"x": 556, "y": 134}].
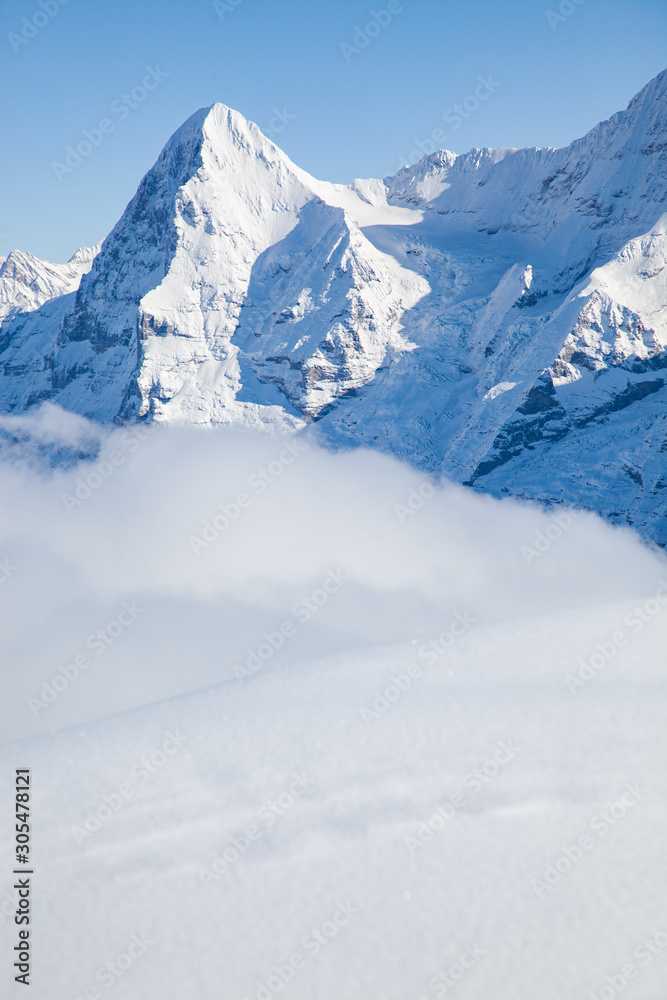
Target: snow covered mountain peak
[
  {"x": 26, "y": 282},
  {"x": 499, "y": 316},
  {"x": 223, "y": 127}
]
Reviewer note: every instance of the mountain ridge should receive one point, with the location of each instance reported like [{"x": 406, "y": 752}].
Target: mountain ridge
[{"x": 498, "y": 316}]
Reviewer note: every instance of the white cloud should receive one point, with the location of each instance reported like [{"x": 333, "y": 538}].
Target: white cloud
[{"x": 85, "y": 537}]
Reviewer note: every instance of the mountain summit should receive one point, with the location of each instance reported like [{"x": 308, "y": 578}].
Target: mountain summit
[{"x": 499, "y": 317}]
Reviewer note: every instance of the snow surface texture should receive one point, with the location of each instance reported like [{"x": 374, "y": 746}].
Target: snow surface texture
[
  {"x": 220, "y": 870},
  {"x": 499, "y": 316}
]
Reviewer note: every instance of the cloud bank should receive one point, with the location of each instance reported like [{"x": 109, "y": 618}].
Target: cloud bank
[{"x": 142, "y": 563}]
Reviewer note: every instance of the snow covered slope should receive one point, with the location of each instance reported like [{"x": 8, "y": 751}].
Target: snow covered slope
[
  {"x": 26, "y": 282},
  {"x": 149, "y": 333},
  {"x": 497, "y": 317},
  {"x": 266, "y": 838},
  {"x": 341, "y": 751}
]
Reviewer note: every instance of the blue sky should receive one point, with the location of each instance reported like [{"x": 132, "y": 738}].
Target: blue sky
[{"x": 342, "y": 103}]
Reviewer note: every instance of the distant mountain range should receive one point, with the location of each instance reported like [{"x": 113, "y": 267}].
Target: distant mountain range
[{"x": 498, "y": 317}]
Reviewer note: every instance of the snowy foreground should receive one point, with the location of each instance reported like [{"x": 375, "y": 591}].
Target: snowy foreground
[{"x": 444, "y": 781}]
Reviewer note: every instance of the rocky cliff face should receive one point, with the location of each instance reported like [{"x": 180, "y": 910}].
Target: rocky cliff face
[{"x": 498, "y": 317}]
